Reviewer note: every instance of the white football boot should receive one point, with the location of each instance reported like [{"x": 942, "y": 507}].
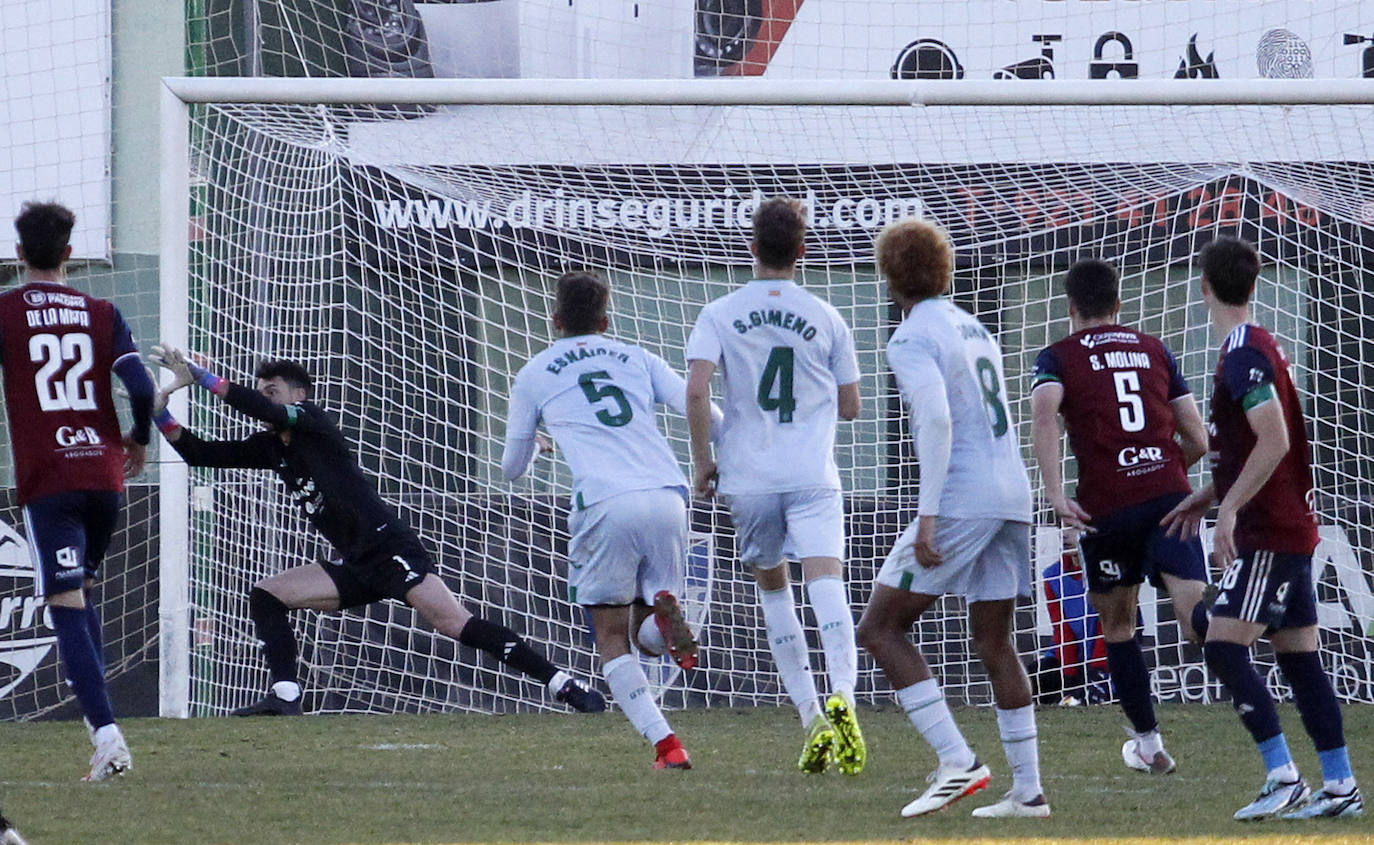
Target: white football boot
[
  {"x": 1276, "y": 797},
  {"x": 948, "y": 785},
  {"x": 1010, "y": 808}
]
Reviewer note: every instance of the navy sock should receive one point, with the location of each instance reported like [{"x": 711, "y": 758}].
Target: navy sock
[
  {"x": 508, "y": 647},
  {"x": 1249, "y": 696},
  {"x": 81, "y": 665},
  {"x": 97, "y": 635},
  {"x": 274, "y": 631},
  {"x": 1132, "y": 681},
  {"x": 1201, "y": 621},
  {"x": 1316, "y": 700}
]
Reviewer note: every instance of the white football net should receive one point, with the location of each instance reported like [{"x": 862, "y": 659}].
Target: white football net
[{"x": 405, "y": 256}]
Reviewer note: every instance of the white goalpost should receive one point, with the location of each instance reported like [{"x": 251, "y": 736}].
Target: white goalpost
[{"x": 399, "y": 237}]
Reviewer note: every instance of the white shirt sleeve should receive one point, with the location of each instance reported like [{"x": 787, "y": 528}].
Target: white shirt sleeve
[
  {"x": 923, "y": 389},
  {"x": 670, "y": 389},
  {"x": 522, "y": 418},
  {"x": 844, "y": 363},
  {"x": 703, "y": 344}
]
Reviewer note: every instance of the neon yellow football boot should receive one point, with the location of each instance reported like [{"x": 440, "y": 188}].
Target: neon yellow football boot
[
  {"x": 820, "y": 741},
  {"x": 851, "y": 753}
]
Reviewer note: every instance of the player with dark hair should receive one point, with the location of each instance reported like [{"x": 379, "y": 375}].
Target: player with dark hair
[
  {"x": 1123, "y": 400},
  {"x": 971, "y": 535},
  {"x": 790, "y": 371},
  {"x": 379, "y": 555},
  {"x": 58, "y": 347},
  {"x": 627, "y": 555},
  {"x": 1265, "y": 534}
]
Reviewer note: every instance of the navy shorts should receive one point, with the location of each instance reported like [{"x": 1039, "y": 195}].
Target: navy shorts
[
  {"x": 1271, "y": 588},
  {"x": 377, "y": 575},
  {"x": 1128, "y": 545},
  {"x": 69, "y": 534}
]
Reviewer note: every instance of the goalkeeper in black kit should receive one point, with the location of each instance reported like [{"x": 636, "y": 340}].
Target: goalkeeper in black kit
[{"x": 379, "y": 556}]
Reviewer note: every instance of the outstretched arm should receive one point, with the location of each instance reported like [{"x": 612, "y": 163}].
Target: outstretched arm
[
  {"x": 242, "y": 399},
  {"x": 251, "y": 453}
]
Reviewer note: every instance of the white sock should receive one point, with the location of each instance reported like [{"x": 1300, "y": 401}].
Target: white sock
[
  {"x": 1344, "y": 786},
  {"x": 286, "y": 690},
  {"x": 555, "y": 684},
  {"x": 927, "y": 709},
  {"x": 830, "y": 603},
  {"x": 1287, "y": 773},
  {"x": 1020, "y": 742},
  {"x": 787, "y": 641},
  {"x": 630, "y": 689},
  {"x": 105, "y": 734},
  {"x": 1150, "y": 744},
  {"x": 650, "y": 638}
]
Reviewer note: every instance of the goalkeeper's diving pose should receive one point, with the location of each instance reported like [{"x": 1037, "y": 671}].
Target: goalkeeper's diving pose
[{"x": 379, "y": 556}]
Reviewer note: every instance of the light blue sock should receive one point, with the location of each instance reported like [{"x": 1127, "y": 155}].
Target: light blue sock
[
  {"x": 1335, "y": 764},
  {"x": 1275, "y": 753}
]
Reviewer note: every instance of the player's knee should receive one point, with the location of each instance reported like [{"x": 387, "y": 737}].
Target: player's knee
[
  {"x": 869, "y": 633},
  {"x": 75, "y": 599},
  {"x": 994, "y": 645},
  {"x": 263, "y": 605},
  {"x": 1225, "y": 659}
]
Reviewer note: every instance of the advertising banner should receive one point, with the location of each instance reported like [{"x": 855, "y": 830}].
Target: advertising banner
[{"x": 55, "y": 117}]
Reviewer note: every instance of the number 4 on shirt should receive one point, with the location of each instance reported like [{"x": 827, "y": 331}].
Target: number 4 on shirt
[{"x": 778, "y": 371}]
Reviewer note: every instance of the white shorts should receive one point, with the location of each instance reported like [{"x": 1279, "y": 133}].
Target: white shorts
[
  {"x": 985, "y": 560},
  {"x": 628, "y": 547},
  {"x": 797, "y": 524}
]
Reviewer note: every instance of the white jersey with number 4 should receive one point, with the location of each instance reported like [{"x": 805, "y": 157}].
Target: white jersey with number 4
[
  {"x": 782, "y": 351},
  {"x": 596, "y": 396},
  {"x": 987, "y": 477}
]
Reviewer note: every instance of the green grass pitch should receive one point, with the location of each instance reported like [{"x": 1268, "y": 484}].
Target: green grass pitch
[{"x": 578, "y": 778}]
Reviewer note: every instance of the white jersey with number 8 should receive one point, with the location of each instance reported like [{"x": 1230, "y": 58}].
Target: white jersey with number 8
[
  {"x": 987, "y": 477},
  {"x": 782, "y": 352}
]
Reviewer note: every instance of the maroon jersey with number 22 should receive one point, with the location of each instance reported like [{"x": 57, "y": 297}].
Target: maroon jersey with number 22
[{"x": 57, "y": 347}]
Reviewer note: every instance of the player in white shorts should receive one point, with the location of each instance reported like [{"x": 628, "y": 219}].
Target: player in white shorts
[
  {"x": 596, "y": 396},
  {"x": 971, "y": 536},
  {"x": 789, "y": 369}
]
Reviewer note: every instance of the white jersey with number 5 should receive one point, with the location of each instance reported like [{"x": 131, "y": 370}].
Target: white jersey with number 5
[
  {"x": 782, "y": 351},
  {"x": 987, "y": 477},
  {"x": 596, "y": 396}
]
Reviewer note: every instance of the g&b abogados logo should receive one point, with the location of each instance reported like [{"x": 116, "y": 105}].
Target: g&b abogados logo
[{"x": 26, "y": 634}]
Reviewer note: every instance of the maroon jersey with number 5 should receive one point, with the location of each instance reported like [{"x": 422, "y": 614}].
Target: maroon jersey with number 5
[
  {"x": 1253, "y": 370},
  {"x": 57, "y": 347},
  {"x": 1118, "y": 384}
]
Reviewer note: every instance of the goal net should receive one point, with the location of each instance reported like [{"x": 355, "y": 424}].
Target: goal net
[{"x": 404, "y": 253}]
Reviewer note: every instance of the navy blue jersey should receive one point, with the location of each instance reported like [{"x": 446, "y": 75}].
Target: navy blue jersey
[{"x": 1252, "y": 370}]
